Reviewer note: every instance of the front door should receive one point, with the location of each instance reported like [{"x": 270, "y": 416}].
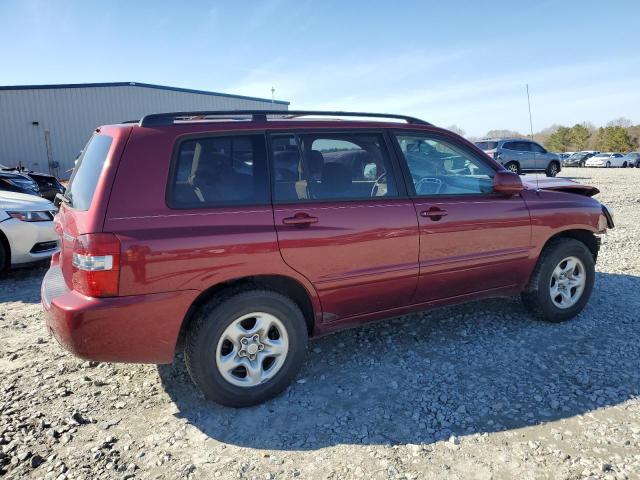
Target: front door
[
  {"x": 471, "y": 240},
  {"x": 344, "y": 221}
]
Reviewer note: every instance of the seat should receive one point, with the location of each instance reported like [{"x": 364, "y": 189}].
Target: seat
[
  {"x": 336, "y": 181},
  {"x": 215, "y": 180}
]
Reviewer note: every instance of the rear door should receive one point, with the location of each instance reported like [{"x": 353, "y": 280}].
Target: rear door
[
  {"x": 471, "y": 240},
  {"x": 344, "y": 221}
]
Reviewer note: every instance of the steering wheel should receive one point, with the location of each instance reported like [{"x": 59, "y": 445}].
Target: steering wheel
[
  {"x": 430, "y": 183},
  {"x": 379, "y": 181}
]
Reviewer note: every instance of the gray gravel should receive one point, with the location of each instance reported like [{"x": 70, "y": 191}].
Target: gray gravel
[{"x": 481, "y": 390}]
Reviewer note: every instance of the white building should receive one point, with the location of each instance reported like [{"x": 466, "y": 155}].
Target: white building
[{"x": 45, "y": 126}]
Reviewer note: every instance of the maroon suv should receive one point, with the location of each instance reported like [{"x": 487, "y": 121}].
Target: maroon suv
[{"x": 244, "y": 233}]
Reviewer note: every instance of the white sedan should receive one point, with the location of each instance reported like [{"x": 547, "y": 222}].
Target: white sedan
[
  {"x": 607, "y": 159},
  {"x": 27, "y": 234}
]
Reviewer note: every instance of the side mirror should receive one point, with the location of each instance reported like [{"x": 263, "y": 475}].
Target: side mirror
[{"x": 507, "y": 183}]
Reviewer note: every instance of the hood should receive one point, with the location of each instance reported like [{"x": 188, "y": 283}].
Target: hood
[
  {"x": 24, "y": 202},
  {"x": 560, "y": 185}
]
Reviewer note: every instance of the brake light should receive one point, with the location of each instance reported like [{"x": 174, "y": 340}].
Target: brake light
[{"x": 96, "y": 264}]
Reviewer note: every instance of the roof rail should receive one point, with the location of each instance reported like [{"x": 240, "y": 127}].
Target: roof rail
[{"x": 163, "y": 119}]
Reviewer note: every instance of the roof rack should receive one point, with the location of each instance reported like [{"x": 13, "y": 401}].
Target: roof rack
[{"x": 163, "y": 119}]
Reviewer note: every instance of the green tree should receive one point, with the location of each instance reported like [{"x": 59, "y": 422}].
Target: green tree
[
  {"x": 614, "y": 139},
  {"x": 560, "y": 140},
  {"x": 579, "y": 137}
]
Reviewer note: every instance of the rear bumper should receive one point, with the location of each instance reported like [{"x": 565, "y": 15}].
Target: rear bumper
[{"x": 136, "y": 329}]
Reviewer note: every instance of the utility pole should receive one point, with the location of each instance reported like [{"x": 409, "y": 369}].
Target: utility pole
[{"x": 273, "y": 91}]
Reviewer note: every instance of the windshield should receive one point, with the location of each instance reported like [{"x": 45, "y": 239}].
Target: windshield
[
  {"x": 603, "y": 155},
  {"x": 487, "y": 145}
]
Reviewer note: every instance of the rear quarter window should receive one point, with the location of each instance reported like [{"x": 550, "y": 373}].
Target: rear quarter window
[
  {"x": 86, "y": 173},
  {"x": 219, "y": 171}
]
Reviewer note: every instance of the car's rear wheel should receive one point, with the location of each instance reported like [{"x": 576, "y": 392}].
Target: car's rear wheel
[
  {"x": 582, "y": 163},
  {"x": 246, "y": 348},
  {"x": 552, "y": 169},
  {"x": 624, "y": 165},
  {"x": 562, "y": 281},
  {"x": 513, "y": 167}
]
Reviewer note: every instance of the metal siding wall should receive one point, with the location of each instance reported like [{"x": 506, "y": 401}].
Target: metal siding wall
[{"x": 71, "y": 114}]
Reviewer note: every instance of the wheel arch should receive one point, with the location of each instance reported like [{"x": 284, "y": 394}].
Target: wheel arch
[
  {"x": 587, "y": 237},
  {"x": 4, "y": 242},
  {"x": 283, "y": 284}
]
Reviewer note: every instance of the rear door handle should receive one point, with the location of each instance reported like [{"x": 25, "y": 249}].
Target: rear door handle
[
  {"x": 434, "y": 213},
  {"x": 300, "y": 220}
]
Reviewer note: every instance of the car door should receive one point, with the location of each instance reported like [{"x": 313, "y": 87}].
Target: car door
[
  {"x": 471, "y": 239},
  {"x": 344, "y": 221},
  {"x": 539, "y": 156}
]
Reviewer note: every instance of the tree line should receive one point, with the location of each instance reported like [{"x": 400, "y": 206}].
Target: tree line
[{"x": 618, "y": 135}]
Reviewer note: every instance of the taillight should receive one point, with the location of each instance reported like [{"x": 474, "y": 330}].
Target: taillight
[{"x": 96, "y": 264}]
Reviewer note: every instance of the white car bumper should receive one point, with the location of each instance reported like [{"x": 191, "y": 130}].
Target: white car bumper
[{"x": 29, "y": 241}]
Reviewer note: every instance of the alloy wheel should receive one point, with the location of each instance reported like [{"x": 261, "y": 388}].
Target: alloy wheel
[
  {"x": 252, "y": 349},
  {"x": 567, "y": 282}
]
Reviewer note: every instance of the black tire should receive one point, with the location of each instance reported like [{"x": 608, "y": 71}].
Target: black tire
[
  {"x": 624, "y": 165},
  {"x": 209, "y": 325},
  {"x": 582, "y": 164},
  {"x": 537, "y": 297},
  {"x": 4, "y": 256},
  {"x": 513, "y": 167},
  {"x": 608, "y": 165},
  {"x": 552, "y": 169}
]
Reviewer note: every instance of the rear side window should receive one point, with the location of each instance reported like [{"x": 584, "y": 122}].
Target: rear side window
[
  {"x": 330, "y": 166},
  {"x": 487, "y": 145},
  {"x": 219, "y": 171},
  {"x": 87, "y": 172}
]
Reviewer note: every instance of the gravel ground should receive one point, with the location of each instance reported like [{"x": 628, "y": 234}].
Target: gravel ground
[{"x": 474, "y": 391}]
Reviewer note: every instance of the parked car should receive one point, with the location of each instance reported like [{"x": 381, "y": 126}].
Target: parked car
[
  {"x": 521, "y": 155},
  {"x": 26, "y": 229},
  {"x": 607, "y": 159},
  {"x": 11, "y": 181},
  {"x": 242, "y": 264},
  {"x": 631, "y": 159},
  {"x": 563, "y": 156},
  {"x": 578, "y": 159},
  {"x": 47, "y": 186}
]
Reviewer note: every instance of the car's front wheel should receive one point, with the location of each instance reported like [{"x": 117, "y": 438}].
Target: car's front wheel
[
  {"x": 552, "y": 169},
  {"x": 246, "y": 348},
  {"x": 624, "y": 165},
  {"x": 3, "y": 257},
  {"x": 608, "y": 164},
  {"x": 561, "y": 283}
]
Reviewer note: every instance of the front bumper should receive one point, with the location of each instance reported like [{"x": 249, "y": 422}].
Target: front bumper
[
  {"x": 136, "y": 328},
  {"x": 25, "y": 237}
]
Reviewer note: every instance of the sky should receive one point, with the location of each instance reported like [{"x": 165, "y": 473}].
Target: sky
[{"x": 448, "y": 62}]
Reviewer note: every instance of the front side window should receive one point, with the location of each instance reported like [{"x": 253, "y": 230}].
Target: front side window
[
  {"x": 314, "y": 166},
  {"x": 439, "y": 167},
  {"x": 536, "y": 148},
  {"x": 219, "y": 171}
]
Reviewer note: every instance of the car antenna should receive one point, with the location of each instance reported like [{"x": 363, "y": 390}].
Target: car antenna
[{"x": 535, "y": 163}]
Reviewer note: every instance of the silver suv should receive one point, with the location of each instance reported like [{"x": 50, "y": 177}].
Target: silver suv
[{"x": 521, "y": 155}]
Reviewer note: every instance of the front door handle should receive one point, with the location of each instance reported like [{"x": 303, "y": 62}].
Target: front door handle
[
  {"x": 434, "y": 213},
  {"x": 300, "y": 220}
]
